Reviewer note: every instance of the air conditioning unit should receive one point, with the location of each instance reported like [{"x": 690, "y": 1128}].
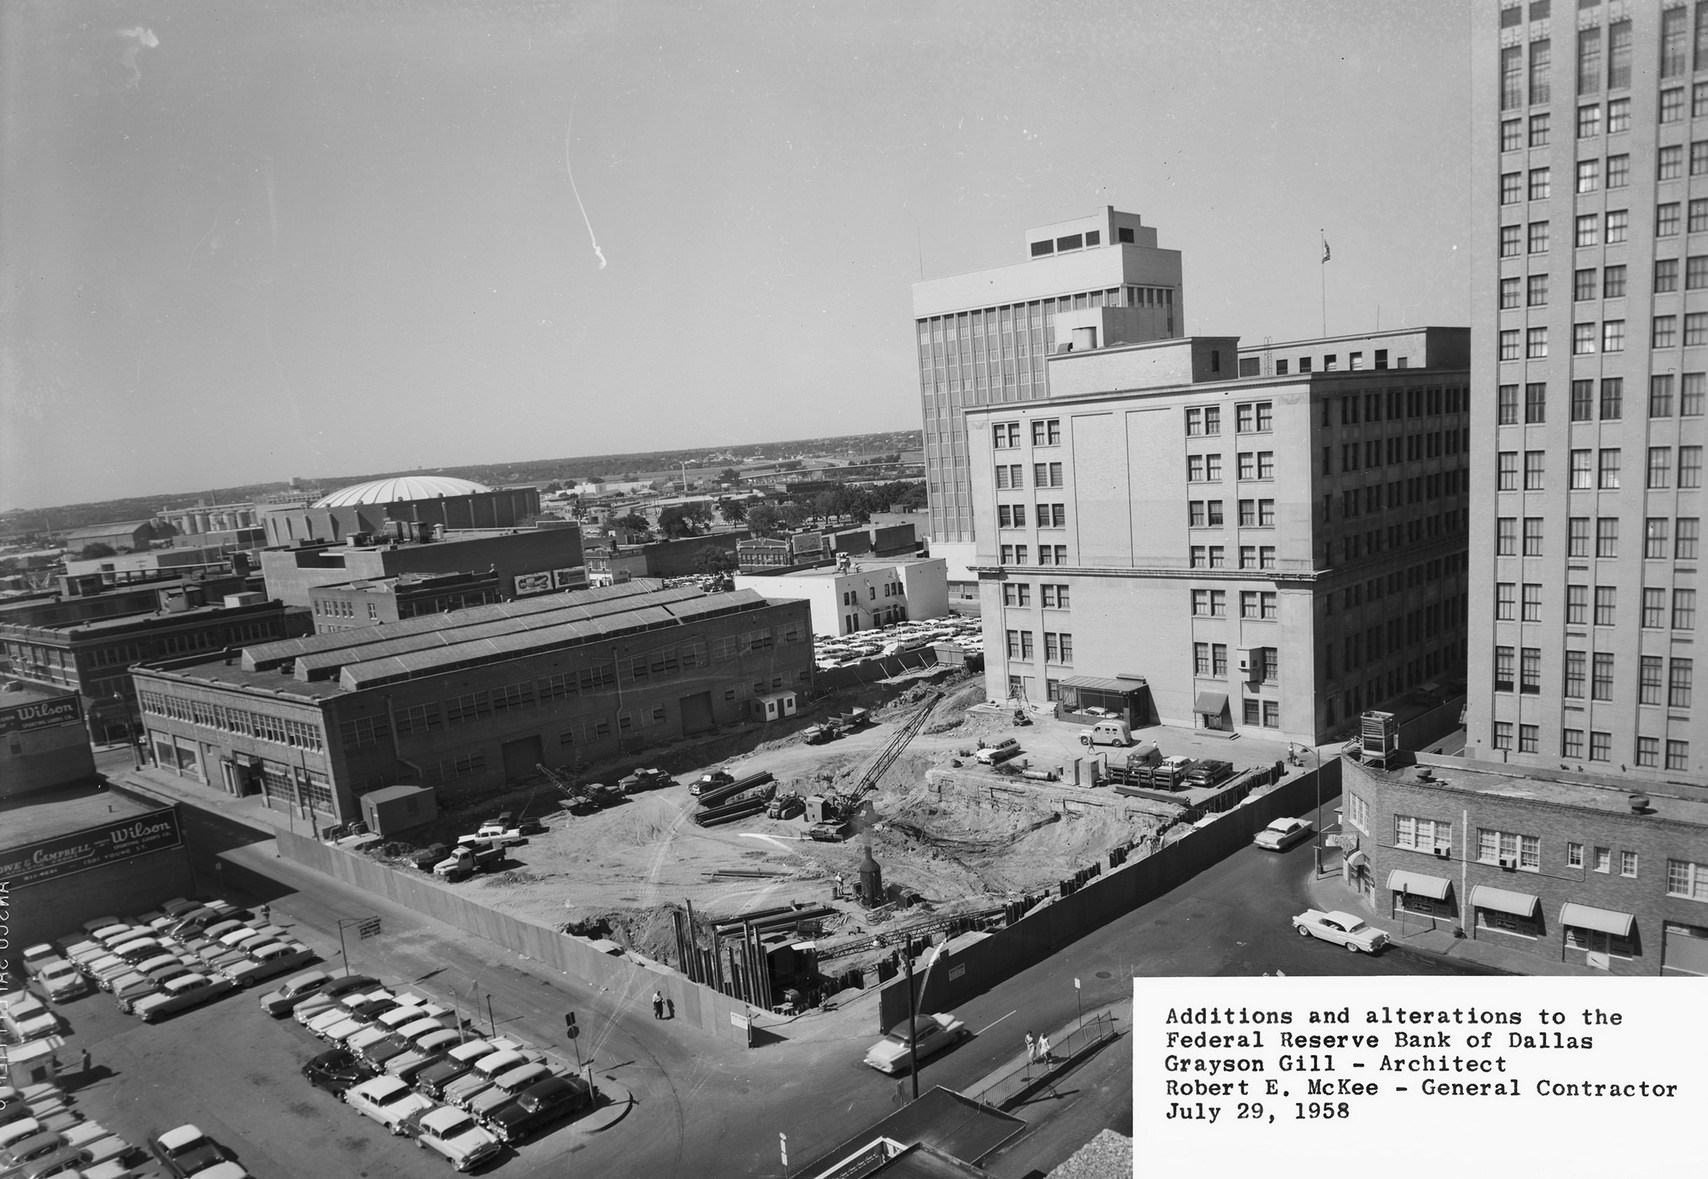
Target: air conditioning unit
[
  {"x": 1509, "y": 865},
  {"x": 1442, "y": 853}
]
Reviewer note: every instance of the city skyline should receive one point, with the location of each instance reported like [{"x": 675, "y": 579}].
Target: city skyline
[{"x": 297, "y": 242}]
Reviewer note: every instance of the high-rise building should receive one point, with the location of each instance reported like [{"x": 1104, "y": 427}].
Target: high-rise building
[
  {"x": 1268, "y": 539},
  {"x": 983, "y": 338},
  {"x": 1590, "y": 386}
]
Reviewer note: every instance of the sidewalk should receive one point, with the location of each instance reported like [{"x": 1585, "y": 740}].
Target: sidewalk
[
  {"x": 1019, "y": 1081},
  {"x": 1425, "y": 937}
]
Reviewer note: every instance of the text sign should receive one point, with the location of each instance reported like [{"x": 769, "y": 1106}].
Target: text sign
[
  {"x": 41, "y": 714},
  {"x": 93, "y": 847}
]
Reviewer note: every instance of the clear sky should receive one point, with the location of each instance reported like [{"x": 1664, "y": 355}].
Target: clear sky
[{"x": 241, "y": 242}]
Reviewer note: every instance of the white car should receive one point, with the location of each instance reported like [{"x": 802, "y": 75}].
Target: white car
[
  {"x": 268, "y": 961},
  {"x": 932, "y": 1034},
  {"x": 283, "y": 999},
  {"x": 181, "y": 994},
  {"x": 454, "y": 1136},
  {"x": 1283, "y": 834},
  {"x": 1343, "y": 929},
  {"x": 27, "y": 1017},
  {"x": 387, "y": 1101},
  {"x": 60, "y": 981}
]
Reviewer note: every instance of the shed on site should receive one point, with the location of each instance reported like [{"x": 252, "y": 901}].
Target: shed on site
[{"x": 398, "y": 808}]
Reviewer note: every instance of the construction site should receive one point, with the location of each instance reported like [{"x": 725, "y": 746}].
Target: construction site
[{"x": 788, "y": 861}]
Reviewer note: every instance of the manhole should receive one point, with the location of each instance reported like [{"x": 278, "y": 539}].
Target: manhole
[{"x": 1103, "y": 974}]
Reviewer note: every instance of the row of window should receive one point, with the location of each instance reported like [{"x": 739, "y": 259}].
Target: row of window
[
  {"x": 851, "y": 597},
  {"x": 1045, "y": 432},
  {"x": 1058, "y": 646},
  {"x": 1592, "y": 469},
  {"x": 1509, "y": 849},
  {"x": 1253, "y": 513},
  {"x": 1598, "y": 537},
  {"x": 1012, "y": 476},
  {"x": 1595, "y": 669},
  {"x": 1250, "y": 464},
  {"x": 1019, "y": 554},
  {"x": 1671, "y": 163},
  {"x": 1250, "y": 417},
  {"x": 262, "y": 726},
  {"x": 1214, "y": 556},
  {"x": 1691, "y": 399},
  {"x": 1649, "y": 752},
  {"x": 1048, "y": 515},
  {"x": 1019, "y": 593},
  {"x": 1522, "y": 602},
  {"x": 1263, "y": 605},
  {"x": 1425, "y": 573}
]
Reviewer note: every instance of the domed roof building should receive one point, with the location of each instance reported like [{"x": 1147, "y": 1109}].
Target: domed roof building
[{"x": 401, "y": 487}]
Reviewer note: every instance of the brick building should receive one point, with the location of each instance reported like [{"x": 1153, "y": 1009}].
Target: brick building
[
  {"x": 42, "y": 740},
  {"x": 1567, "y": 866},
  {"x": 350, "y": 604},
  {"x": 473, "y": 699}
]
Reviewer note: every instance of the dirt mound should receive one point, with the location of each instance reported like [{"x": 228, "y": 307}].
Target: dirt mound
[{"x": 951, "y": 711}]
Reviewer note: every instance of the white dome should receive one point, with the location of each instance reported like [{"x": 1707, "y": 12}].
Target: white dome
[{"x": 386, "y": 491}]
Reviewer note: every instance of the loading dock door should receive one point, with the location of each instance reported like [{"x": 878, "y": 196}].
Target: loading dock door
[
  {"x": 697, "y": 713},
  {"x": 522, "y": 757}
]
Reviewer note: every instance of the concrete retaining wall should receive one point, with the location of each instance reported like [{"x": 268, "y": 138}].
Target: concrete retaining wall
[
  {"x": 1118, "y": 891},
  {"x": 627, "y": 981}
]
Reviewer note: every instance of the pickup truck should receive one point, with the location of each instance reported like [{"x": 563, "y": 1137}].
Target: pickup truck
[
  {"x": 833, "y": 831},
  {"x": 467, "y": 859},
  {"x": 823, "y": 732},
  {"x": 645, "y": 780},
  {"x": 1002, "y": 751}
]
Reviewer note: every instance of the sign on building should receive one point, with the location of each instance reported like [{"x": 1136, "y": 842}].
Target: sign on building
[{"x": 93, "y": 847}]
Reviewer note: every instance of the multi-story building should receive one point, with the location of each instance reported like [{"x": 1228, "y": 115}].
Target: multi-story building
[
  {"x": 1271, "y": 552},
  {"x": 852, "y": 596},
  {"x": 350, "y": 604},
  {"x": 470, "y": 700},
  {"x": 1590, "y": 303},
  {"x": 983, "y": 338},
  {"x": 374, "y": 507}
]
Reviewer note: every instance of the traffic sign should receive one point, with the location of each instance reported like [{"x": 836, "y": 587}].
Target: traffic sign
[{"x": 370, "y": 927}]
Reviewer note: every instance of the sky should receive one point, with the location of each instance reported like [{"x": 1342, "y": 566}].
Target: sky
[{"x": 245, "y": 242}]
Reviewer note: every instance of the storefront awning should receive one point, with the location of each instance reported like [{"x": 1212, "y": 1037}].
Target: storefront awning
[
  {"x": 1589, "y": 917},
  {"x": 1418, "y": 885},
  {"x": 1357, "y": 860},
  {"x": 1103, "y": 684},
  {"x": 1519, "y": 904},
  {"x": 1211, "y": 703}
]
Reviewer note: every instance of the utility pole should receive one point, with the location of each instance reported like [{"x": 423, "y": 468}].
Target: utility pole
[{"x": 912, "y": 1021}]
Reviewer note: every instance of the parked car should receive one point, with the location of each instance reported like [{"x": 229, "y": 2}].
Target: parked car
[
  {"x": 128, "y": 988},
  {"x": 931, "y": 1034},
  {"x": 26, "y": 1017},
  {"x": 1282, "y": 834},
  {"x": 1209, "y": 772},
  {"x": 181, "y": 994},
  {"x": 185, "y": 1150},
  {"x": 386, "y": 1100},
  {"x": 645, "y": 780},
  {"x": 103, "y": 970},
  {"x": 1002, "y": 751},
  {"x": 454, "y": 1136},
  {"x": 336, "y": 1071},
  {"x": 283, "y": 999},
  {"x": 485, "y": 1071},
  {"x": 60, "y": 981},
  {"x": 542, "y": 1104},
  {"x": 419, "y": 1055},
  {"x": 269, "y": 961},
  {"x": 330, "y": 993},
  {"x": 710, "y": 781},
  {"x": 455, "y": 1063},
  {"x": 426, "y": 857},
  {"x": 506, "y": 1086},
  {"x": 377, "y": 1049},
  {"x": 1343, "y": 929}
]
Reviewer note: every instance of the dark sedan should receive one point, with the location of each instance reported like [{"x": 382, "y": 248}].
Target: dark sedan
[
  {"x": 538, "y": 1106},
  {"x": 336, "y": 1071}
]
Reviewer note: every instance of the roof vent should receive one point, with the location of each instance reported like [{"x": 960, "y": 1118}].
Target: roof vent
[
  {"x": 1639, "y": 804},
  {"x": 1425, "y": 774}
]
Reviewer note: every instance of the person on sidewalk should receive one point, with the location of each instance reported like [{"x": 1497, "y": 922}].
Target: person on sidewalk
[
  {"x": 658, "y": 1004},
  {"x": 83, "y": 1065},
  {"x": 1044, "y": 1050},
  {"x": 266, "y": 914},
  {"x": 1031, "y": 1048}
]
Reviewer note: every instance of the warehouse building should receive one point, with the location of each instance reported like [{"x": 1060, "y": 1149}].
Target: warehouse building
[
  {"x": 350, "y": 604},
  {"x": 434, "y": 501},
  {"x": 474, "y": 699}
]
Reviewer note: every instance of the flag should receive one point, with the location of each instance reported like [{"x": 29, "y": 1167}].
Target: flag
[{"x": 1325, "y": 249}]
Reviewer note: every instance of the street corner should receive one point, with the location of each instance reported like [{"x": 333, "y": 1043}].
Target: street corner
[{"x": 615, "y": 1102}]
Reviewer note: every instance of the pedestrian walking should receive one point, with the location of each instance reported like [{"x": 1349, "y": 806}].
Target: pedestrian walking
[
  {"x": 266, "y": 914},
  {"x": 658, "y": 1004},
  {"x": 670, "y": 1009},
  {"x": 83, "y": 1065},
  {"x": 1044, "y": 1050},
  {"x": 1031, "y": 1048}
]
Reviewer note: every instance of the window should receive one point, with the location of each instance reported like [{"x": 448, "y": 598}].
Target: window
[
  {"x": 1582, "y": 478},
  {"x": 1669, "y": 162},
  {"x": 1506, "y": 536},
  {"x": 1678, "y": 684},
  {"x": 1648, "y": 751},
  {"x": 1511, "y": 187},
  {"x": 1666, "y": 219},
  {"x": 1588, "y": 230},
  {"x": 1664, "y": 331},
  {"x": 1685, "y": 547},
  {"x": 1649, "y": 680},
  {"x": 1695, "y": 329},
  {"x": 1612, "y": 335},
  {"x": 1506, "y": 405},
  {"x": 1058, "y": 647},
  {"x": 1535, "y": 402},
  {"x": 1696, "y": 272},
  {"x": 1684, "y": 609},
  {"x": 1506, "y": 466},
  {"x": 1613, "y": 282},
  {"x": 1511, "y": 238},
  {"x": 1607, "y": 469},
  {"x": 1503, "y": 665},
  {"x": 1583, "y": 400},
  {"x": 1699, "y": 157},
  {"x": 1005, "y": 435},
  {"x": 1603, "y": 859},
  {"x": 1503, "y": 734},
  {"x": 1536, "y": 343},
  {"x": 1660, "y": 468},
  {"x": 1577, "y": 605},
  {"x": 1606, "y": 597},
  {"x": 1697, "y": 218},
  {"x": 1687, "y": 879},
  {"x": 1589, "y": 175},
  {"x": 1577, "y": 536},
  {"x": 1574, "y": 675},
  {"x": 1693, "y": 394},
  {"x": 1426, "y": 835},
  {"x": 1601, "y": 676},
  {"x": 1506, "y": 847},
  {"x": 1009, "y": 476},
  {"x": 1618, "y": 171},
  {"x": 1511, "y": 134},
  {"x": 1607, "y": 536},
  {"x": 1666, "y": 275},
  {"x": 1690, "y": 466},
  {"x": 1654, "y": 608},
  {"x": 1055, "y": 597},
  {"x": 1047, "y": 432},
  {"x": 1533, "y": 469},
  {"x": 1571, "y": 743},
  {"x": 1537, "y": 237},
  {"x": 1660, "y": 395},
  {"x": 1574, "y": 855},
  {"x": 1583, "y": 339},
  {"x": 1011, "y": 516},
  {"x": 1505, "y": 597},
  {"x": 1589, "y": 119},
  {"x": 1677, "y": 755},
  {"x": 1540, "y": 184},
  {"x": 1655, "y": 538},
  {"x": 1612, "y": 398},
  {"x": 1528, "y": 738},
  {"x": 1016, "y": 594},
  {"x": 1050, "y": 474},
  {"x": 1532, "y": 601},
  {"x": 1530, "y": 670},
  {"x": 1675, "y": 41},
  {"x": 1508, "y": 346},
  {"x": 1583, "y": 285}
]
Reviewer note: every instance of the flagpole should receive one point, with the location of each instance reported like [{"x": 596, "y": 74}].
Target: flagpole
[{"x": 1322, "y": 267}]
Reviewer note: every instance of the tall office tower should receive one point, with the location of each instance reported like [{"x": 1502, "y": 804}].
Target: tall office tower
[
  {"x": 1590, "y": 381},
  {"x": 983, "y": 338}
]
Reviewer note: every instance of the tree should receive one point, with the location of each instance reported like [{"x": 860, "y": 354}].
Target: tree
[
  {"x": 699, "y": 514},
  {"x": 764, "y": 520},
  {"x": 675, "y": 522},
  {"x": 91, "y": 551},
  {"x": 791, "y": 515},
  {"x": 734, "y": 511},
  {"x": 729, "y": 475},
  {"x": 634, "y": 522},
  {"x": 711, "y": 559}
]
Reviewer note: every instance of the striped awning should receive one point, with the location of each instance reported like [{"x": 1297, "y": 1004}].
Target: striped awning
[
  {"x": 1519, "y": 904},
  {"x": 1418, "y": 885},
  {"x": 1589, "y": 917},
  {"x": 1211, "y": 703}
]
